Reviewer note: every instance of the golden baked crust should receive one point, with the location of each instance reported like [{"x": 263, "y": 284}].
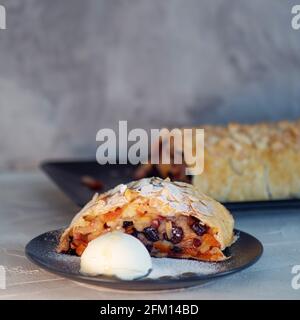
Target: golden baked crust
[
  {"x": 169, "y": 201},
  {"x": 242, "y": 162},
  {"x": 251, "y": 162}
]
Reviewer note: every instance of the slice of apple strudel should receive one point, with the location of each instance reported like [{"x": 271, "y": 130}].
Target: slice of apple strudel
[{"x": 172, "y": 219}]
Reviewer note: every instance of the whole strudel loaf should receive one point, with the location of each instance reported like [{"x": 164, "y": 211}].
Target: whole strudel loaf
[
  {"x": 246, "y": 162},
  {"x": 251, "y": 162}
]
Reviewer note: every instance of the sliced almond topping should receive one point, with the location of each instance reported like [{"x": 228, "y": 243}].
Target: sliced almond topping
[
  {"x": 200, "y": 207},
  {"x": 146, "y": 190}
]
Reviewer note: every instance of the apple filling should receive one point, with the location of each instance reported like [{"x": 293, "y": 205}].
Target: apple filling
[{"x": 177, "y": 236}]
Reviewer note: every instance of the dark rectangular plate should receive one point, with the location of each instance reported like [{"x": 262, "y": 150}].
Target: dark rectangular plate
[{"x": 68, "y": 174}]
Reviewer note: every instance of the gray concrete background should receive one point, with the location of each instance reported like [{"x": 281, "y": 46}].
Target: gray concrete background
[{"x": 71, "y": 67}]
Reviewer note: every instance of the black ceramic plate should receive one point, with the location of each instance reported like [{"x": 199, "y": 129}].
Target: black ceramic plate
[
  {"x": 68, "y": 174},
  {"x": 243, "y": 253}
]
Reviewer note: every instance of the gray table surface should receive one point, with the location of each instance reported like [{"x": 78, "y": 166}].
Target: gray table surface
[{"x": 30, "y": 204}]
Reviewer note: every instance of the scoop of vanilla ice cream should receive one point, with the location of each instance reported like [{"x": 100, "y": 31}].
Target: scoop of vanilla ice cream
[{"x": 116, "y": 254}]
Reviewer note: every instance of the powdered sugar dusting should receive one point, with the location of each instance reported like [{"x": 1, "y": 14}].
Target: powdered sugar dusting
[{"x": 167, "y": 267}]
